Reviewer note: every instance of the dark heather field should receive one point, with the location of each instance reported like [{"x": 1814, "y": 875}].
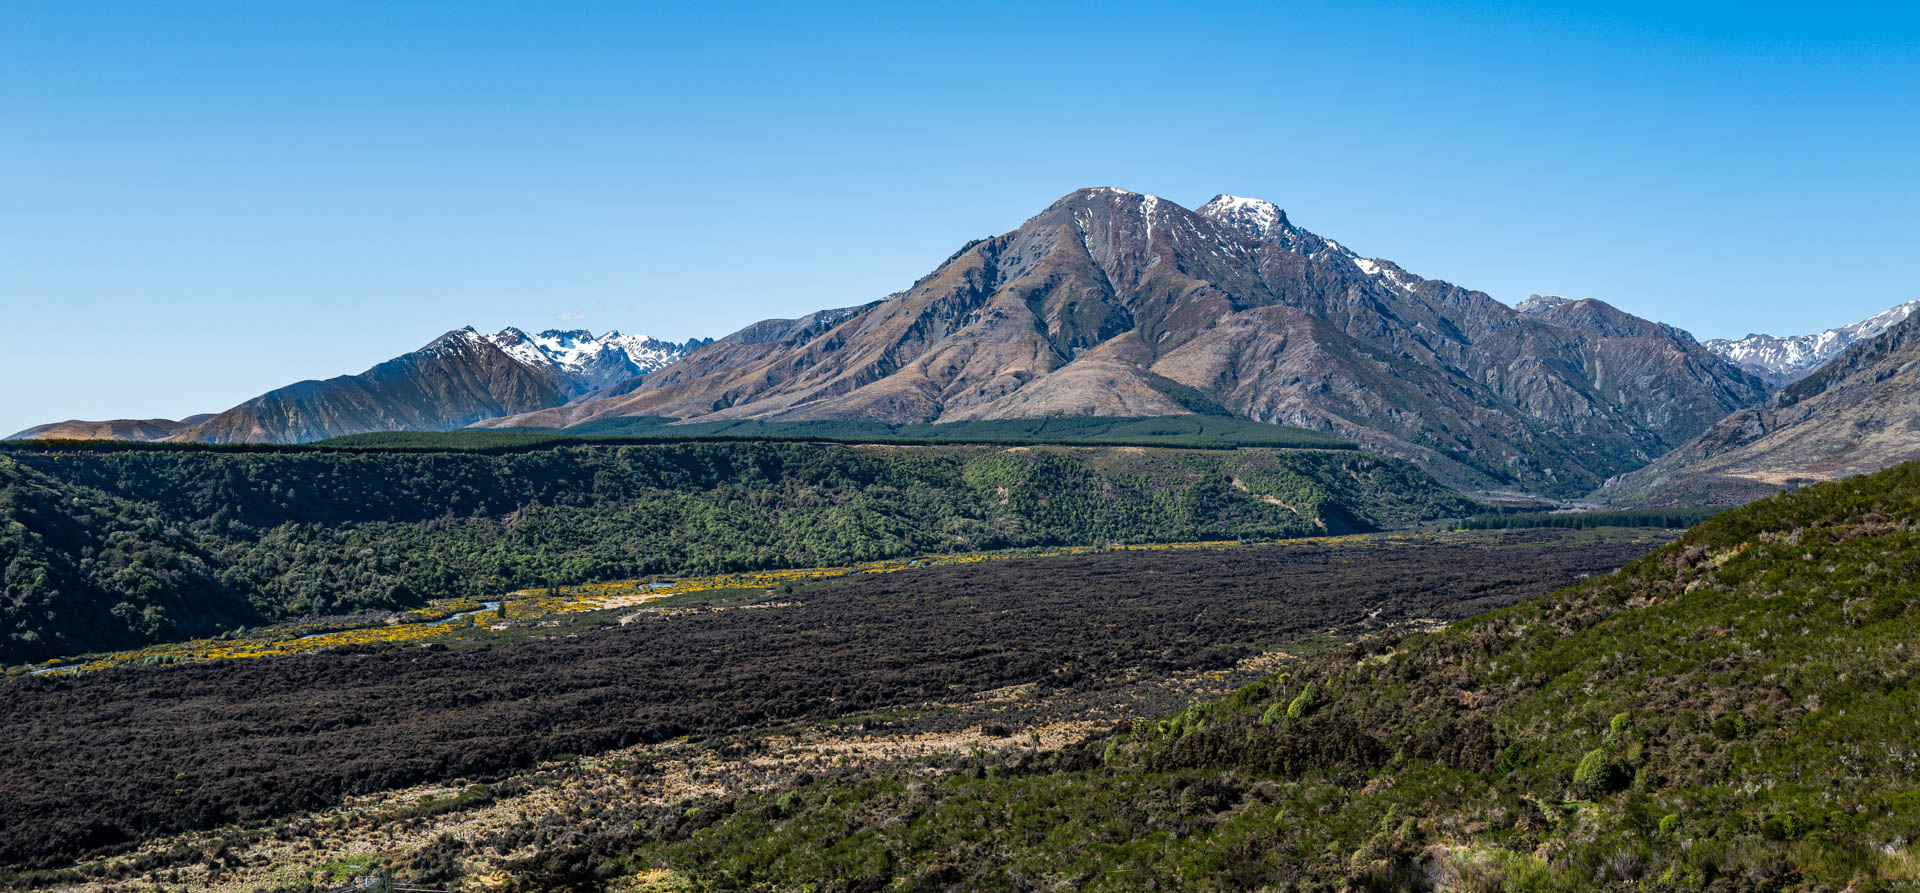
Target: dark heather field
[{"x": 103, "y": 760}]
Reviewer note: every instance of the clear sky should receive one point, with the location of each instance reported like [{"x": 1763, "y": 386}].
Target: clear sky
[{"x": 202, "y": 201}]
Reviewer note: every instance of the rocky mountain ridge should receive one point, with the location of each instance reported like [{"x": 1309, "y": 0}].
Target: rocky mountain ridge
[
  {"x": 455, "y": 380},
  {"x": 591, "y": 362},
  {"x": 1781, "y": 361},
  {"x": 1111, "y": 302},
  {"x": 1858, "y": 413}
]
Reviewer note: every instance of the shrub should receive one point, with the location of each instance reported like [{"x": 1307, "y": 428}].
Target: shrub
[
  {"x": 1599, "y": 773},
  {"x": 1304, "y": 704}
]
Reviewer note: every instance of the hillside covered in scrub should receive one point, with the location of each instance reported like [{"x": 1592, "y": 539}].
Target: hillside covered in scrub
[
  {"x": 113, "y": 548},
  {"x": 1734, "y": 712}
]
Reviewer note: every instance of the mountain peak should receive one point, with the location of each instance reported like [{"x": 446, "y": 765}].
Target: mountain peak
[
  {"x": 1536, "y": 304},
  {"x": 1095, "y": 194},
  {"x": 1256, "y": 217},
  {"x": 456, "y": 338},
  {"x": 590, "y": 361},
  {"x": 1783, "y": 360},
  {"x": 573, "y": 335}
]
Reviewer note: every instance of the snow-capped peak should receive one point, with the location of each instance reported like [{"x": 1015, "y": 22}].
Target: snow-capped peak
[
  {"x": 1256, "y": 217},
  {"x": 452, "y": 340},
  {"x": 592, "y": 361},
  {"x": 1784, "y": 360},
  {"x": 1538, "y": 303},
  {"x": 1265, "y": 221}
]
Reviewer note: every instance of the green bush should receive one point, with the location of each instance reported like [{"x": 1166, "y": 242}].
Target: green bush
[
  {"x": 1305, "y": 703},
  {"x": 1600, "y": 772}
]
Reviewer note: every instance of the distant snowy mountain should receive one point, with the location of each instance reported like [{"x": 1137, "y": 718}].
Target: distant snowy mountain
[
  {"x": 459, "y": 378},
  {"x": 593, "y": 362},
  {"x": 1783, "y": 361},
  {"x": 1852, "y": 415},
  {"x": 1535, "y": 305}
]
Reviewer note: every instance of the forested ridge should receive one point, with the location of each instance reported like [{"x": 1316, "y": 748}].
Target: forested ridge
[{"x": 118, "y": 548}]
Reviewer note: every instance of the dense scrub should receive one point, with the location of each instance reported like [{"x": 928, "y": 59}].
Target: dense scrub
[
  {"x": 115, "y": 548},
  {"x": 1735, "y": 712},
  {"x": 115, "y": 756}
]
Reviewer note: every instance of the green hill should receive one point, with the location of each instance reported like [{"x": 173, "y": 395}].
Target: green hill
[
  {"x": 105, "y": 546},
  {"x": 1733, "y": 712}
]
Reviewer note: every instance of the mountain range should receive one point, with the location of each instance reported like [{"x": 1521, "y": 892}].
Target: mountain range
[
  {"x": 1111, "y": 302},
  {"x": 1858, "y": 413},
  {"x": 455, "y": 380},
  {"x": 1782, "y": 361},
  {"x": 1114, "y": 303}
]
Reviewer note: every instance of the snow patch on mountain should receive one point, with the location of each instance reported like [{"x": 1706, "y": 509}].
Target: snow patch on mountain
[
  {"x": 1785, "y": 360},
  {"x": 1535, "y": 304},
  {"x": 1256, "y": 217},
  {"x": 589, "y": 360}
]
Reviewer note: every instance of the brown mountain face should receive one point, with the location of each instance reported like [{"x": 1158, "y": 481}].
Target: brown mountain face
[
  {"x": 111, "y": 429},
  {"x": 1660, "y": 375},
  {"x": 1113, "y": 303},
  {"x": 1857, "y": 414},
  {"x": 455, "y": 381}
]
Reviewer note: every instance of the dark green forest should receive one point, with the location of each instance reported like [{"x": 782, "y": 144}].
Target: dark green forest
[
  {"x": 108, "y": 547},
  {"x": 1676, "y": 518},
  {"x": 1734, "y": 712}
]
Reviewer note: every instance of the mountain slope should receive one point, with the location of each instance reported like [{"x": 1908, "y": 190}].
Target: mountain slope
[
  {"x": 1112, "y": 303},
  {"x": 459, "y": 378},
  {"x": 1783, "y": 361},
  {"x": 1856, "y": 414},
  {"x": 111, "y": 429},
  {"x": 1732, "y": 712},
  {"x": 1657, "y": 374}
]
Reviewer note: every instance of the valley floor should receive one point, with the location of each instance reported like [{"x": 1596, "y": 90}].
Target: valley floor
[{"x": 461, "y": 758}]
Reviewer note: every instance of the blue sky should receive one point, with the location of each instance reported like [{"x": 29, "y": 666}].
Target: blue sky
[{"x": 202, "y": 201}]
